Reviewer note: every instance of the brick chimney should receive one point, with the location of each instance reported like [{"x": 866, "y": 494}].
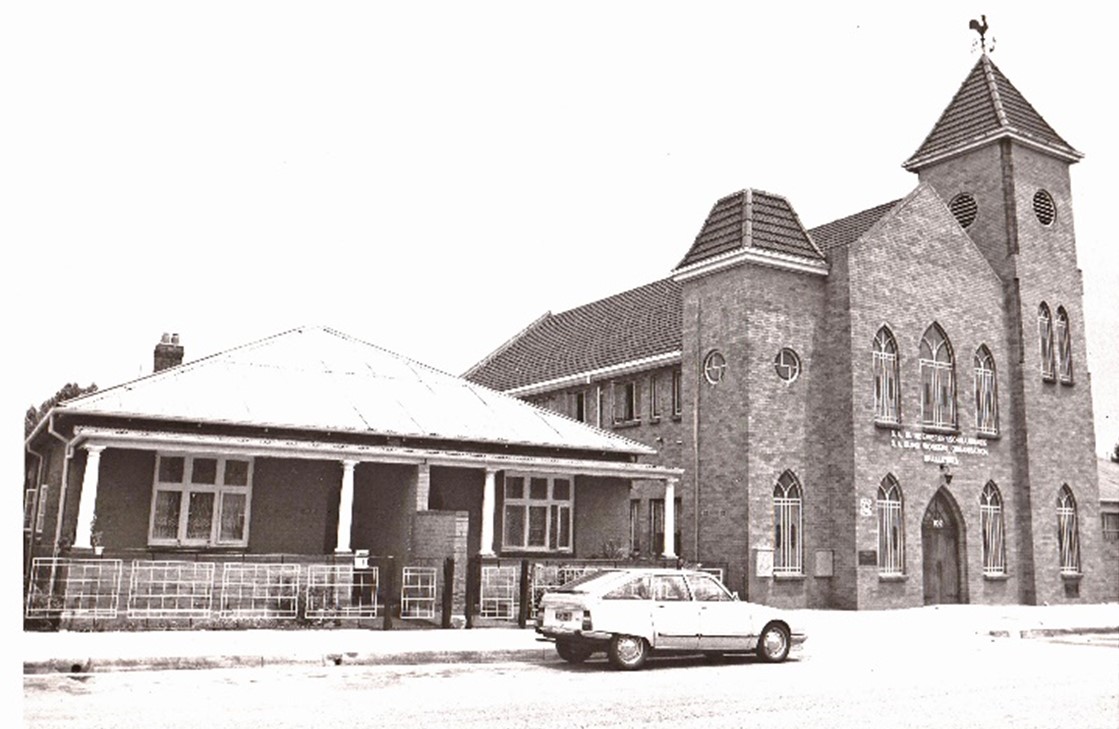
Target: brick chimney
[{"x": 168, "y": 353}]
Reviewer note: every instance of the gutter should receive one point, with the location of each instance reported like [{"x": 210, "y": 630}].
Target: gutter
[{"x": 62, "y": 489}]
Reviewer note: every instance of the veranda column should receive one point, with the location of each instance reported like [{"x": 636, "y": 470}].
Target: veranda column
[
  {"x": 346, "y": 508},
  {"x": 489, "y": 505},
  {"x": 670, "y": 518},
  {"x": 88, "y": 499}
]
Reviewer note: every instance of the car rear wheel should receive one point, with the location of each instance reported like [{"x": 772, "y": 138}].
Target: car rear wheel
[
  {"x": 628, "y": 652},
  {"x": 572, "y": 652},
  {"x": 773, "y": 645}
]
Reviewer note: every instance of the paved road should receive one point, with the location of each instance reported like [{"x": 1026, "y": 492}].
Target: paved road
[{"x": 968, "y": 683}]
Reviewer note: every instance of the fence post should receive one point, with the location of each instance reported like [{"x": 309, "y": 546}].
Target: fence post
[
  {"x": 526, "y": 594},
  {"x": 448, "y": 590},
  {"x": 473, "y": 564},
  {"x": 389, "y": 590}
]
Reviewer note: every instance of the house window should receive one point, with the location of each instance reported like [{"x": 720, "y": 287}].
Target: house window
[
  {"x": 201, "y": 501},
  {"x": 600, "y": 405},
  {"x": 579, "y": 406},
  {"x": 625, "y": 402},
  {"x": 787, "y": 547},
  {"x": 1110, "y": 523},
  {"x": 656, "y": 525},
  {"x": 654, "y": 397},
  {"x": 1068, "y": 535},
  {"x": 891, "y": 533},
  {"x": 41, "y": 517},
  {"x": 1064, "y": 347},
  {"x": 1045, "y": 339},
  {"x": 938, "y": 387},
  {"x": 787, "y": 364},
  {"x": 635, "y": 525},
  {"x": 994, "y": 544},
  {"x": 986, "y": 393},
  {"x": 677, "y": 392},
  {"x": 538, "y": 511},
  {"x": 28, "y": 509},
  {"x": 887, "y": 404}
]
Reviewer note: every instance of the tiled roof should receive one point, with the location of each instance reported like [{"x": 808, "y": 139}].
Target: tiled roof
[
  {"x": 845, "y": 231},
  {"x": 987, "y": 106},
  {"x": 1109, "y": 479},
  {"x": 636, "y": 324},
  {"x": 315, "y": 378},
  {"x": 751, "y": 219}
]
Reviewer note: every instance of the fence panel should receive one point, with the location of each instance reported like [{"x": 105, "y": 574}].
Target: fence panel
[
  {"x": 498, "y": 595},
  {"x": 417, "y": 593},
  {"x": 251, "y": 590},
  {"x": 341, "y": 591},
  {"x": 74, "y": 588},
  {"x": 171, "y": 589}
]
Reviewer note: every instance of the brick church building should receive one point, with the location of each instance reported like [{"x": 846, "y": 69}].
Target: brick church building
[{"x": 889, "y": 410}]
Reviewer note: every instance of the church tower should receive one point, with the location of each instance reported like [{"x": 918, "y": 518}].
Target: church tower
[{"x": 1004, "y": 174}]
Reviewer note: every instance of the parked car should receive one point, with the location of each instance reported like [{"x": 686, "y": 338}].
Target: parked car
[{"x": 630, "y": 613}]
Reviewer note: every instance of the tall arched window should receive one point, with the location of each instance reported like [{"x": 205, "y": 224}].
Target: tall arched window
[
  {"x": 938, "y": 386},
  {"x": 1045, "y": 339},
  {"x": 986, "y": 393},
  {"x": 787, "y": 547},
  {"x": 887, "y": 405},
  {"x": 891, "y": 532},
  {"x": 994, "y": 544},
  {"x": 1068, "y": 535},
  {"x": 1064, "y": 347}
]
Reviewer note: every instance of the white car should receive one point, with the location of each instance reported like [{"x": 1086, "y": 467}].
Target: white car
[{"x": 631, "y": 612}]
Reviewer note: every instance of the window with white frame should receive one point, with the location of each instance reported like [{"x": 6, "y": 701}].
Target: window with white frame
[
  {"x": 41, "y": 517},
  {"x": 201, "y": 501},
  {"x": 1045, "y": 341},
  {"x": 887, "y": 398},
  {"x": 787, "y": 547},
  {"x": 986, "y": 393},
  {"x": 29, "y": 508},
  {"x": 654, "y": 397},
  {"x": 938, "y": 387},
  {"x": 656, "y": 525},
  {"x": 1068, "y": 534},
  {"x": 625, "y": 402},
  {"x": 891, "y": 531},
  {"x": 538, "y": 513},
  {"x": 991, "y": 523},
  {"x": 677, "y": 392},
  {"x": 1064, "y": 347},
  {"x": 1110, "y": 522}
]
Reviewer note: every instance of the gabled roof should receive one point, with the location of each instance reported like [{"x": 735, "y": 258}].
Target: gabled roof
[
  {"x": 987, "y": 107},
  {"x": 1109, "y": 480},
  {"x": 637, "y": 324},
  {"x": 845, "y": 231},
  {"x": 751, "y": 219},
  {"x": 319, "y": 379}
]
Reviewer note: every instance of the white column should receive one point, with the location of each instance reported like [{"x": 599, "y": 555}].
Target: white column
[
  {"x": 669, "y": 518},
  {"x": 489, "y": 506},
  {"x": 88, "y": 499},
  {"x": 346, "y": 507}
]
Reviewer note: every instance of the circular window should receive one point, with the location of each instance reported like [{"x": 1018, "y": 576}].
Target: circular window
[
  {"x": 787, "y": 364},
  {"x": 965, "y": 209},
  {"x": 1044, "y": 208},
  {"x": 714, "y": 366}
]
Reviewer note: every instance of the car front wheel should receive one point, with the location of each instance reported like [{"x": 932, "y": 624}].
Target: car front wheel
[
  {"x": 628, "y": 652},
  {"x": 572, "y": 652},
  {"x": 773, "y": 645}
]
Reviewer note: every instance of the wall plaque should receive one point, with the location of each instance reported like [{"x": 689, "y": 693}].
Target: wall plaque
[{"x": 868, "y": 558}]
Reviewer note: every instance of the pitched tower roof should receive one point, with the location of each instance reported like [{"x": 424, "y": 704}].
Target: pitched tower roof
[{"x": 988, "y": 107}]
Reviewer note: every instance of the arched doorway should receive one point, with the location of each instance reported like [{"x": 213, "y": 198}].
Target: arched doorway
[{"x": 941, "y": 545}]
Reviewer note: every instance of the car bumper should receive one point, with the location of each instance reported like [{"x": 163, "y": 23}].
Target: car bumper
[{"x": 558, "y": 633}]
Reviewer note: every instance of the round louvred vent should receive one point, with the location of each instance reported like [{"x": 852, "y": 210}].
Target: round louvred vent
[
  {"x": 1044, "y": 208},
  {"x": 965, "y": 209}
]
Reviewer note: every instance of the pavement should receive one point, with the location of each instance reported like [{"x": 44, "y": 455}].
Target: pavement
[{"x": 99, "y": 651}]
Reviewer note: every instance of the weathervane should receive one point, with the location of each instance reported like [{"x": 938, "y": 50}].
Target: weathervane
[{"x": 980, "y": 27}]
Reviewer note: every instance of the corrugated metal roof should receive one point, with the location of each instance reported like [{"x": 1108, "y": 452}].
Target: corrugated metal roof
[
  {"x": 987, "y": 106},
  {"x": 320, "y": 379}
]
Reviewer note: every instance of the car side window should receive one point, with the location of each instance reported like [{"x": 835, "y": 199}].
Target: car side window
[
  {"x": 670, "y": 588},
  {"x": 706, "y": 589},
  {"x": 635, "y": 589}
]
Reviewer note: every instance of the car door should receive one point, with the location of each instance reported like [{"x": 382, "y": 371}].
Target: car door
[
  {"x": 724, "y": 622},
  {"x": 675, "y": 617}
]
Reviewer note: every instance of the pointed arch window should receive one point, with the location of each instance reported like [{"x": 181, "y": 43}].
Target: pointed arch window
[
  {"x": 887, "y": 404},
  {"x": 991, "y": 522},
  {"x": 986, "y": 393},
  {"x": 1064, "y": 347},
  {"x": 1045, "y": 340},
  {"x": 1068, "y": 534},
  {"x": 938, "y": 386},
  {"x": 891, "y": 532},
  {"x": 787, "y": 521}
]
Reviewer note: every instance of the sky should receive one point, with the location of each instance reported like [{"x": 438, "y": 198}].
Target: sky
[{"x": 433, "y": 176}]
